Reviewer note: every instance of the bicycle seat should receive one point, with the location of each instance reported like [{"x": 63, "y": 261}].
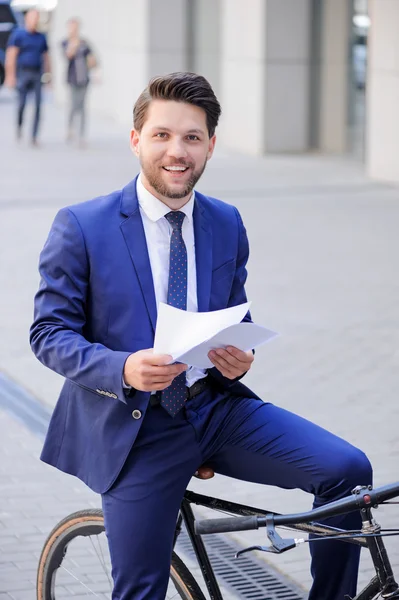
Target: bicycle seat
[{"x": 204, "y": 472}]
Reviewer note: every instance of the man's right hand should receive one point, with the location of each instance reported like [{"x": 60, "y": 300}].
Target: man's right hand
[
  {"x": 72, "y": 47},
  {"x": 149, "y": 372},
  {"x": 10, "y": 81}
]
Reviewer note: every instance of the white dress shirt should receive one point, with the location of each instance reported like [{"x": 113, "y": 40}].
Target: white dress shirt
[{"x": 158, "y": 233}]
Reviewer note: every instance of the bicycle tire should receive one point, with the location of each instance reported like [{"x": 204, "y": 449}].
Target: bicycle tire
[{"x": 91, "y": 522}]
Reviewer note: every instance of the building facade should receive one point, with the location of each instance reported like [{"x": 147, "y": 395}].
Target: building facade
[{"x": 290, "y": 74}]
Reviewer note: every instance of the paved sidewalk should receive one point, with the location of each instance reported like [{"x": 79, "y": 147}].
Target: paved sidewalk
[
  {"x": 323, "y": 272},
  {"x": 33, "y": 498}
]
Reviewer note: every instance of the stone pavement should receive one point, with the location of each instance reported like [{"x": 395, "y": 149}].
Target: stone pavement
[
  {"x": 33, "y": 498},
  {"x": 323, "y": 272}
]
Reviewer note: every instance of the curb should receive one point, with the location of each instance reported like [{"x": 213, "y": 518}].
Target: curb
[{"x": 15, "y": 400}]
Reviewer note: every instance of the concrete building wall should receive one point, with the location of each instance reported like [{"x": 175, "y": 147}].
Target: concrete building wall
[
  {"x": 287, "y": 78},
  {"x": 243, "y": 70},
  {"x": 204, "y": 40},
  {"x": 334, "y": 76},
  {"x": 265, "y": 74},
  {"x": 382, "y": 152},
  {"x": 167, "y": 33}
]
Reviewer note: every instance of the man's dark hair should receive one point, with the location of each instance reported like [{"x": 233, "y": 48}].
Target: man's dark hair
[{"x": 180, "y": 87}]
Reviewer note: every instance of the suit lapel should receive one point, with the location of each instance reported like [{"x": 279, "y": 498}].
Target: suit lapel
[
  {"x": 133, "y": 233},
  {"x": 203, "y": 253}
]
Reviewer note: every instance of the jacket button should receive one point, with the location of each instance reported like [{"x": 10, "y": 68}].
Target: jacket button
[{"x": 136, "y": 414}]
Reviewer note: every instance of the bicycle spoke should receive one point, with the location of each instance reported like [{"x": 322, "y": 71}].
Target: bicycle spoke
[
  {"x": 101, "y": 558},
  {"x": 81, "y": 582}
]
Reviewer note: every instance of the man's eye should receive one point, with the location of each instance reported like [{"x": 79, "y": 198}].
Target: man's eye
[
  {"x": 161, "y": 134},
  {"x": 193, "y": 138}
]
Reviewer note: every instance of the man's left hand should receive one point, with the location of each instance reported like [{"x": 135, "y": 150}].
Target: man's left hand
[{"x": 231, "y": 362}]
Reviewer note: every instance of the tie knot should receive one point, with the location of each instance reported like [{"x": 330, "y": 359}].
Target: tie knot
[{"x": 175, "y": 218}]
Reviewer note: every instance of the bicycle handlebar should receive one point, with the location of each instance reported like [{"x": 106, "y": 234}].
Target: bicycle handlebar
[
  {"x": 225, "y": 525},
  {"x": 362, "y": 498}
]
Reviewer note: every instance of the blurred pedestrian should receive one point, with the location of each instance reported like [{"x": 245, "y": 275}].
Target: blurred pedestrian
[
  {"x": 27, "y": 66},
  {"x": 80, "y": 59}
]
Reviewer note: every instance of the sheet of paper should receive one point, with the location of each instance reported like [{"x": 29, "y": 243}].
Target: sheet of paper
[
  {"x": 178, "y": 330},
  {"x": 244, "y": 336},
  {"x": 189, "y": 336}
]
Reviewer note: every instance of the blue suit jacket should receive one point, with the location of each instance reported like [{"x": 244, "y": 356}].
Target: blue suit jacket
[{"x": 96, "y": 305}]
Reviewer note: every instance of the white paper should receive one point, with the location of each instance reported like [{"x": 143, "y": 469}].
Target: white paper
[
  {"x": 244, "y": 336},
  {"x": 178, "y": 330},
  {"x": 189, "y": 336}
]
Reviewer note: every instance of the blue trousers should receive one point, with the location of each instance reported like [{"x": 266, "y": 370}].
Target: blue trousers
[
  {"x": 241, "y": 438},
  {"x": 29, "y": 81}
]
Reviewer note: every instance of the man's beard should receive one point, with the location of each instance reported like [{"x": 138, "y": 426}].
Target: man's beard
[{"x": 154, "y": 178}]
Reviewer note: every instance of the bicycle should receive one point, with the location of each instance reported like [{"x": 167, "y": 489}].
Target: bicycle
[{"x": 88, "y": 523}]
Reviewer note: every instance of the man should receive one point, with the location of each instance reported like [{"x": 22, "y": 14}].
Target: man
[
  {"x": 132, "y": 426},
  {"x": 80, "y": 60},
  {"x": 27, "y": 57}
]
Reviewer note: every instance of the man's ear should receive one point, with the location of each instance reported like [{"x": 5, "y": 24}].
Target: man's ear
[
  {"x": 135, "y": 142},
  {"x": 211, "y": 147}
]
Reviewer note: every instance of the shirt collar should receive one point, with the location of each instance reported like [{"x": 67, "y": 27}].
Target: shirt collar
[{"x": 154, "y": 208}]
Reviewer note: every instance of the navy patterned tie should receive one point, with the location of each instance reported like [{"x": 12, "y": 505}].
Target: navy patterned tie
[{"x": 174, "y": 397}]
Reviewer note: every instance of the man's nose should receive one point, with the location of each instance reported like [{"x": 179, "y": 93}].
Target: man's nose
[{"x": 176, "y": 148}]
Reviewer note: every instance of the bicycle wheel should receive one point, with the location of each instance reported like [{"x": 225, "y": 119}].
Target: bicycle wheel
[{"x": 75, "y": 562}]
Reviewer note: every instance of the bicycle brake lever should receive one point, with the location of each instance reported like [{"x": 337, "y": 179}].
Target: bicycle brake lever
[
  {"x": 278, "y": 544},
  {"x": 263, "y": 549}
]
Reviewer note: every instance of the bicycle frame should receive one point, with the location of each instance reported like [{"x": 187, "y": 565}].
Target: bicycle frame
[{"x": 384, "y": 581}]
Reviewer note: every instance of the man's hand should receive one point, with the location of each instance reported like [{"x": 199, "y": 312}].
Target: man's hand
[
  {"x": 149, "y": 372},
  {"x": 10, "y": 81},
  {"x": 11, "y": 66},
  {"x": 72, "y": 48},
  {"x": 231, "y": 362}
]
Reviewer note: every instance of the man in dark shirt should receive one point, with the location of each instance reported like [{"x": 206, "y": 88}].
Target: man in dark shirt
[
  {"x": 27, "y": 59},
  {"x": 80, "y": 60}
]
